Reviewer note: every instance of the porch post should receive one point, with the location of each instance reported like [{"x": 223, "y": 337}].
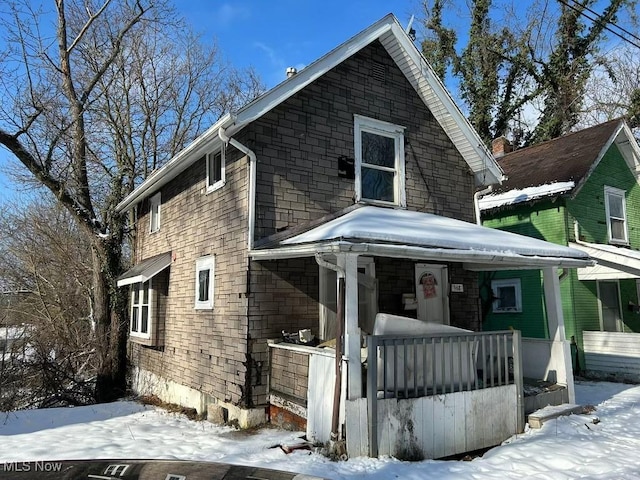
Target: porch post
[
  {"x": 349, "y": 262},
  {"x": 560, "y": 348}
]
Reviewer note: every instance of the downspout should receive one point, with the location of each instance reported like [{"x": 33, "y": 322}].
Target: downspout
[
  {"x": 252, "y": 182},
  {"x": 476, "y": 202},
  {"x": 250, "y": 230},
  {"x": 337, "y": 388}
]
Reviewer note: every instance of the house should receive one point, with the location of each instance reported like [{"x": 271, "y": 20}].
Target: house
[
  {"x": 335, "y": 207},
  {"x": 580, "y": 190}
]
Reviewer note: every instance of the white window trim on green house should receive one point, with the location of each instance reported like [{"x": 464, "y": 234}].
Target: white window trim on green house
[
  {"x": 141, "y": 310},
  {"x": 614, "y": 217},
  {"x": 497, "y": 285},
  {"x": 365, "y": 125},
  {"x": 204, "y": 286},
  {"x": 155, "y": 203}
]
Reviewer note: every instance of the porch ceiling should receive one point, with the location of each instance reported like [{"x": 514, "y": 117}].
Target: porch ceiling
[
  {"x": 613, "y": 262},
  {"x": 396, "y": 233}
]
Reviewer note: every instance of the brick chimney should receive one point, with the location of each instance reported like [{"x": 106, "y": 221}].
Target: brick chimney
[{"x": 501, "y": 146}]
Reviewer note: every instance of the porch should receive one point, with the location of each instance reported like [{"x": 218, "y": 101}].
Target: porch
[{"x": 426, "y": 390}]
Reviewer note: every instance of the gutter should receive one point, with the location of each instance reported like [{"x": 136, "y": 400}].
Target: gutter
[
  {"x": 252, "y": 182},
  {"x": 476, "y": 202}
]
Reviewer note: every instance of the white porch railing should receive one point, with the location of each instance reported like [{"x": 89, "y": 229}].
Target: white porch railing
[{"x": 405, "y": 368}]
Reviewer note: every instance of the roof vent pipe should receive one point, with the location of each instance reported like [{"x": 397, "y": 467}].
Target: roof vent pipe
[{"x": 291, "y": 71}]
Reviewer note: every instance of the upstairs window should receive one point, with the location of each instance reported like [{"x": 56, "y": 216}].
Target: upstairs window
[
  {"x": 141, "y": 309},
  {"x": 507, "y": 296},
  {"x": 154, "y": 208},
  {"x": 215, "y": 170},
  {"x": 616, "y": 215},
  {"x": 205, "y": 267},
  {"x": 379, "y": 152}
]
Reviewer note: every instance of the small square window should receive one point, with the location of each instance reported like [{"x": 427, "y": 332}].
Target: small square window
[
  {"x": 154, "y": 211},
  {"x": 616, "y": 215},
  {"x": 507, "y": 296},
  {"x": 215, "y": 170},
  {"x": 205, "y": 268}
]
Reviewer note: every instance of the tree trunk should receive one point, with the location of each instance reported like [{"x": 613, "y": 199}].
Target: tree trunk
[{"x": 110, "y": 320}]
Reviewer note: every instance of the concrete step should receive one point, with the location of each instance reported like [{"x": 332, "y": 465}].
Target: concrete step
[{"x": 537, "y": 418}]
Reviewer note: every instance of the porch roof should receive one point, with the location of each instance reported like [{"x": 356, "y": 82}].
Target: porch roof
[
  {"x": 613, "y": 262},
  {"x": 145, "y": 270},
  {"x": 422, "y": 236}
]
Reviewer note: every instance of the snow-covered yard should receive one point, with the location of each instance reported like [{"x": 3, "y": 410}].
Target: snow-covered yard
[{"x": 569, "y": 447}]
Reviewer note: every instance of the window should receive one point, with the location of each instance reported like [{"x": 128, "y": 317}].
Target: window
[
  {"x": 171, "y": 476},
  {"x": 215, "y": 170},
  {"x": 507, "y": 296},
  {"x": 379, "y": 151},
  {"x": 616, "y": 215},
  {"x": 204, "y": 282},
  {"x": 154, "y": 207},
  {"x": 610, "y": 311},
  {"x": 141, "y": 309}
]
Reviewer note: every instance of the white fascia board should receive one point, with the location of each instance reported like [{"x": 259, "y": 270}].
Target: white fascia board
[
  {"x": 473, "y": 259},
  {"x": 492, "y": 172},
  {"x": 176, "y": 165},
  {"x": 600, "y": 156}
]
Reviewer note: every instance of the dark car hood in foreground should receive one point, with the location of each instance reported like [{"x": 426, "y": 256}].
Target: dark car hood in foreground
[{"x": 140, "y": 470}]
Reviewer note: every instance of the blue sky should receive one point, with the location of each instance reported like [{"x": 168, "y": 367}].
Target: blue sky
[
  {"x": 273, "y": 35},
  {"x": 269, "y": 36}
]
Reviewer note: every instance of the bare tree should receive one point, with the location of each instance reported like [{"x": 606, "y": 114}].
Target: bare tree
[
  {"x": 50, "y": 352},
  {"x": 96, "y": 94}
]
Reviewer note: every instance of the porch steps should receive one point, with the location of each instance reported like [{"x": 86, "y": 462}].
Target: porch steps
[{"x": 537, "y": 418}]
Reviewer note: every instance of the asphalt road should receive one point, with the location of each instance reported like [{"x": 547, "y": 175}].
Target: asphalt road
[{"x": 140, "y": 470}]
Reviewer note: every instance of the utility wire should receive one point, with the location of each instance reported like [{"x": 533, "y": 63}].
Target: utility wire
[
  {"x": 610, "y": 22},
  {"x": 603, "y": 23}
]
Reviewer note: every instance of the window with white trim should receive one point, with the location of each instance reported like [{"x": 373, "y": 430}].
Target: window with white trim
[
  {"x": 154, "y": 212},
  {"x": 205, "y": 268},
  {"x": 507, "y": 295},
  {"x": 616, "y": 215},
  {"x": 141, "y": 294},
  {"x": 215, "y": 170},
  {"x": 379, "y": 162}
]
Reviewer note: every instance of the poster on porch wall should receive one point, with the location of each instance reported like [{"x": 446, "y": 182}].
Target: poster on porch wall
[{"x": 429, "y": 283}]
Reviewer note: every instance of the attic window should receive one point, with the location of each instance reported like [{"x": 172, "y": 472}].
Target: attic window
[
  {"x": 616, "y": 215},
  {"x": 379, "y": 151}
]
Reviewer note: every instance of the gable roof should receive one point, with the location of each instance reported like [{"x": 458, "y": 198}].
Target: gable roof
[
  {"x": 560, "y": 166},
  {"x": 410, "y": 61}
]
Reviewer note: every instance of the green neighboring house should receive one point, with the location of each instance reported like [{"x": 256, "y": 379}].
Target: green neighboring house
[{"x": 581, "y": 190}]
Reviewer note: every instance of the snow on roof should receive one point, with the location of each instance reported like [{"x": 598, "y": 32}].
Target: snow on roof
[
  {"x": 515, "y": 196},
  {"x": 376, "y": 224}
]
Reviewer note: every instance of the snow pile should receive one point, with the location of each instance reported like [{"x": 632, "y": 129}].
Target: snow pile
[
  {"x": 515, "y": 196},
  {"x": 569, "y": 447}
]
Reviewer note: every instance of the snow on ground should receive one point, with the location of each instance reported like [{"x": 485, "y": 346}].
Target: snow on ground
[{"x": 566, "y": 448}]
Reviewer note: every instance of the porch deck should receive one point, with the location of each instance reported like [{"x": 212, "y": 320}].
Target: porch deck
[{"x": 425, "y": 396}]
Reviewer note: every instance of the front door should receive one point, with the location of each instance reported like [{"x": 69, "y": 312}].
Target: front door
[
  {"x": 610, "y": 313},
  {"x": 432, "y": 293}
]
